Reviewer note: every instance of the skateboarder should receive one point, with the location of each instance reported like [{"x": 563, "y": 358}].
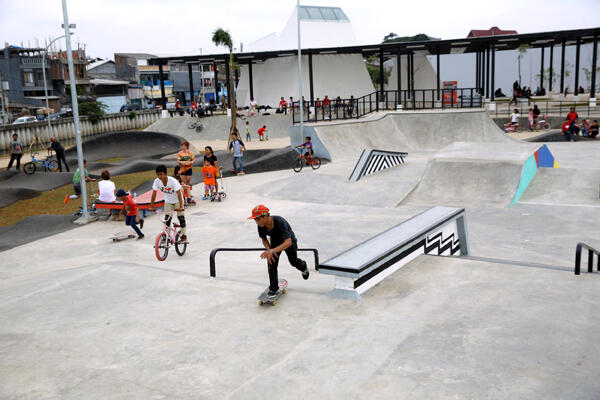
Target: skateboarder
[
  {"x": 131, "y": 207},
  {"x": 282, "y": 239}
]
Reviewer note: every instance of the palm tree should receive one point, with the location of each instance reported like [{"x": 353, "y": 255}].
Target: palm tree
[{"x": 222, "y": 37}]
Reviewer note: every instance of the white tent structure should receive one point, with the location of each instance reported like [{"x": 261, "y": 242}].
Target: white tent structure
[{"x": 333, "y": 74}]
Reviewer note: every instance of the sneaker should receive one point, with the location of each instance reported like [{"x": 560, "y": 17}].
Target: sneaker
[
  {"x": 306, "y": 272},
  {"x": 191, "y": 201},
  {"x": 66, "y": 200},
  {"x": 241, "y": 173},
  {"x": 205, "y": 198},
  {"x": 140, "y": 237},
  {"x": 183, "y": 238},
  {"x": 271, "y": 295},
  {"x": 142, "y": 224}
]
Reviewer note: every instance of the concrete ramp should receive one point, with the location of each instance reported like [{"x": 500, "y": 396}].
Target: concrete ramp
[
  {"x": 407, "y": 131},
  {"x": 564, "y": 186},
  {"x": 473, "y": 174}
]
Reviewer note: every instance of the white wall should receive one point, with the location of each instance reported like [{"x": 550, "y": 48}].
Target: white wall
[
  {"x": 333, "y": 75},
  {"x": 425, "y": 76}
]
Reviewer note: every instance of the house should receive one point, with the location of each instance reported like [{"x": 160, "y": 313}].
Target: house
[
  {"x": 102, "y": 69},
  {"x": 493, "y": 31}
]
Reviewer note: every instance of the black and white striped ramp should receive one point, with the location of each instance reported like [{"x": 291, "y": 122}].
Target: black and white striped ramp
[
  {"x": 440, "y": 231},
  {"x": 372, "y": 161}
]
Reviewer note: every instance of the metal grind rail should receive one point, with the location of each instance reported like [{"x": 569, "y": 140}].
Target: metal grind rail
[
  {"x": 213, "y": 254},
  {"x": 591, "y": 251}
]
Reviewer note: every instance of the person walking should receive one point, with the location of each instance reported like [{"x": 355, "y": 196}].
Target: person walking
[
  {"x": 16, "y": 151},
  {"x": 282, "y": 239},
  {"x": 60, "y": 153},
  {"x": 237, "y": 148}
]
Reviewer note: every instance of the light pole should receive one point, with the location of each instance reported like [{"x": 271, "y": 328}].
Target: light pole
[
  {"x": 300, "y": 73},
  {"x": 46, "y": 85},
  {"x": 75, "y": 106}
]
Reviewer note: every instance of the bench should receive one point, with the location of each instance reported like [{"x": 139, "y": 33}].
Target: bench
[
  {"x": 143, "y": 202},
  {"x": 440, "y": 231}
]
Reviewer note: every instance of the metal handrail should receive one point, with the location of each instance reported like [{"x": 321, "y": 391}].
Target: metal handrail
[
  {"x": 591, "y": 252},
  {"x": 213, "y": 253}
]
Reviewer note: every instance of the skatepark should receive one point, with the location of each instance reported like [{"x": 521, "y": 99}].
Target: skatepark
[{"x": 88, "y": 318}]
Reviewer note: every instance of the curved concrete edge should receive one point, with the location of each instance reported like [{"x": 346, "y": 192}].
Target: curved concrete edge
[{"x": 297, "y": 138}]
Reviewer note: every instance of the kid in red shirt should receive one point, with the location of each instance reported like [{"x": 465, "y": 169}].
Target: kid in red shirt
[
  {"x": 261, "y": 133},
  {"x": 132, "y": 212},
  {"x": 210, "y": 173}
]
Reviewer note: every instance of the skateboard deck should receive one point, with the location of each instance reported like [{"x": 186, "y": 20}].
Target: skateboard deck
[
  {"x": 264, "y": 299},
  {"x": 119, "y": 237}
]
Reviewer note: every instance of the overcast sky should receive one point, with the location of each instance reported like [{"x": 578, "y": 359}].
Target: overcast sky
[{"x": 182, "y": 27}]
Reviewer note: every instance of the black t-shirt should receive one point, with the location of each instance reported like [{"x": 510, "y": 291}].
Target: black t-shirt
[
  {"x": 57, "y": 147},
  {"x": 281, "y": 231},
  {"x": 536, "y": 112},
  {"x": 212, "y": 159}
]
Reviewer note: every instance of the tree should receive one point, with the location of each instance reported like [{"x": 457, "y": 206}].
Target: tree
[
  {"x": 222, "y": 37},
  {"x": 93, "y": 109},
  {"x": 373, "y": 69},
  {"x": 392, "y": 37},
  {"x": 522, "y": 51}
]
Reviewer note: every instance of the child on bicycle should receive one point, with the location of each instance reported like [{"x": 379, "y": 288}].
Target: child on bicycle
[
  {"x": 210, "y": 174},
  {"x": 131, "y": 207},
  {"x": 307, "y": 145},
  {"x": 173, "y": 194}
]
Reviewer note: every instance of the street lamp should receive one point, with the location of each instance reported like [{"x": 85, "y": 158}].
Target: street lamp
[
  {"x": 75, "y": 106},
  {"x": 46, "y": 84}
]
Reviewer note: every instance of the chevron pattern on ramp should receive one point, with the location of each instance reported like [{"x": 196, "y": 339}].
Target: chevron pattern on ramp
[{"x": 372, "y": 161}]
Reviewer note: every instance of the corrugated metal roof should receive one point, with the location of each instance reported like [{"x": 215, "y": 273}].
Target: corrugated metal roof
[{"x": 317, "y": 13}]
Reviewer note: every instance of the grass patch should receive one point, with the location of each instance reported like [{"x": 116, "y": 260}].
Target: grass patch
[
  {"x": 51, "y": 202},
  {"x": 112, "y": 160}
]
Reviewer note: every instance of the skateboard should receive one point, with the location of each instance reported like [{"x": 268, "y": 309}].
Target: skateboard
[
  {"x": 119, "y": 237},
  {"x": 264, "y": 299}
]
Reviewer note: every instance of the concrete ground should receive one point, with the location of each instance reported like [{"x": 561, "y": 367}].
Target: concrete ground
[{"x": 87, "y": 318}]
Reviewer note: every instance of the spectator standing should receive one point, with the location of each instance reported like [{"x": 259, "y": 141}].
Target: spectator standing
[
  {"x": 185, "y": 160},
  {"x": 536, "y": 114},
  {"x": 16, "y": 151},
  {"x": 60, "y": 153},
  {"x": 531, "y": 120},
  {"x": 248, "y": 137},
  {"x": 237, "y": 148}
]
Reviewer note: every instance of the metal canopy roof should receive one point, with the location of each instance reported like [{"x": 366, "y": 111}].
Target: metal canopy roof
[{"x": 431, "y": 47}]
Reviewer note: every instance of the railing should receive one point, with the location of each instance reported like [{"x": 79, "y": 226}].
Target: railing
[
  {"x": 591, "y": 252},
  {"x": 213, "y": 254},
  {"x": 549, "y": 108},
  {"x": 421, "y": 99}
]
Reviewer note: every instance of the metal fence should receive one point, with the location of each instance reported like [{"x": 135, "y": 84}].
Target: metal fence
[
  {"x": 354, "y": 108},
  {"x": 549, "y": 108}
]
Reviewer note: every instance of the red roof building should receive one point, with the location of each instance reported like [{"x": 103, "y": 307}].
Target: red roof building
[{"x": 493, "y": 31}]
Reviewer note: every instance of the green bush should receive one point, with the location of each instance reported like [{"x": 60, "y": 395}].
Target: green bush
[
  {"x": 132, "y": 115},
  {"x": 93, "y": 109}
]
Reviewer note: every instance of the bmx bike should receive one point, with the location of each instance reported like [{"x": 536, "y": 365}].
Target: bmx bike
[
  {"x": 314, "y": 162},
  {"x": 47, "y": 164},
  {"x": 170, "y": 235},
  {"x": 197, "y": 125}
]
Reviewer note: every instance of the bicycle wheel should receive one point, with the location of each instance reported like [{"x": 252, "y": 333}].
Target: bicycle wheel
[
  {"x": 546, "y": 126},
  {"x": 29, "y": 168},
  {"x": 298, "y": 164},
  {"x": 51, "y": 165},
  {"x": 180, "y": 247},
  {"x": 316, "y": 164},
  {"x": 161, "y": 246},
  {"x": 199, "y": 128},
  {"x": 192, "y": 125}
]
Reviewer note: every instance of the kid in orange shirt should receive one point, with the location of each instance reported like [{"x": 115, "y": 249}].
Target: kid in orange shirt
[{"x": 210, "y": 173}]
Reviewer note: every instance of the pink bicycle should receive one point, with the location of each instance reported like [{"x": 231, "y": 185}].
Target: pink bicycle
[{"x": 169, "y": 236}]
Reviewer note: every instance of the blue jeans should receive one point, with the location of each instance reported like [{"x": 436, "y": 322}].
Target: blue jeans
[
  {"x": 236, "y": 160},
  {"x": 130, "y": 220}
]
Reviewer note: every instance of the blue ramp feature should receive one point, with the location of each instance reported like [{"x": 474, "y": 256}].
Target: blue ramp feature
[{"x": 529, "y": 170}]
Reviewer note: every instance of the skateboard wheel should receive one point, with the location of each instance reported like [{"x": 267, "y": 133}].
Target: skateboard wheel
[
  {"x": 260, "y": 302},
  {"x": 274, "y": 302},
  {"x": 284, "y": 291}
]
